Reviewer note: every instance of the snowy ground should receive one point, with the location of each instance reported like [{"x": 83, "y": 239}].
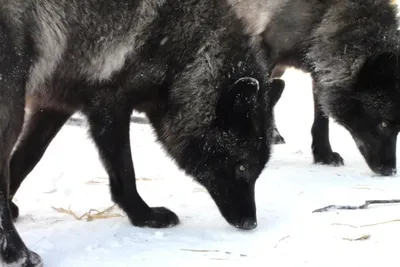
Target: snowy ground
[{"x": 289, "y": 189}]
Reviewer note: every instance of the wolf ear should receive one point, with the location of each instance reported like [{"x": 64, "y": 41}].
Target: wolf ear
[
  {"x": 379, "y": 71},
  {"x": 274, "y": 92},
  {"x": 237, "y": 104}
]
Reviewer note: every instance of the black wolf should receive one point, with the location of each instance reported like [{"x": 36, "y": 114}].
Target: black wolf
[
  {"x": 195, "y": 73},
  {"x": 351, "y": 50}
]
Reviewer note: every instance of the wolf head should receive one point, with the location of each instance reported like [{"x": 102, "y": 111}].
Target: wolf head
[
  {"x": 370, "y": 110},
  {"x": 228, "y": 161},
  {"x": 227, "y": 152}
]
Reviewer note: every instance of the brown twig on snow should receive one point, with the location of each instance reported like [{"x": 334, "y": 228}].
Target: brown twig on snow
[
  {"x": 364, "y": 206},
  {"x": 380, "y": 223},
  {"x": 70, "y": 212},
  {"x": 363, "y": 237},
  {"x": 199, "y": 250},
  {"x": 89, "y": 216},
  {"x": 280, "y": 240},
  {"x": 367, "y": 225},
  {"x": 210, "y": 250}
]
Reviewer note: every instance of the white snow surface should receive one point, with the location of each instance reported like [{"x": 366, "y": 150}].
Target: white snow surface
[{"x": 289, "y": 189}]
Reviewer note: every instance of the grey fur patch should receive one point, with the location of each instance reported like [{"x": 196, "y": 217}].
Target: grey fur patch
[
  {"x": 256, "y": 13},
  {"x": 51, "y": 39}
]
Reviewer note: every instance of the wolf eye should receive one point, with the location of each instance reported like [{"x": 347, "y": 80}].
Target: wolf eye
[
  {"x": 386, "y": 127},
  {"x": 383, "y": 125},
  {"x": 241, "y": 171}
]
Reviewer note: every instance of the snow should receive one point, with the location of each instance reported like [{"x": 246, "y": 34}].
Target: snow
[{"x": 289, "y": 189}]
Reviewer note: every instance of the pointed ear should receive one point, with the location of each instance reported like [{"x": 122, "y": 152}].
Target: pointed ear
[
  {"x": 379, "y": 71},
  {"x": 237, "y": 103},
  {"x": 274, "y": 92}
]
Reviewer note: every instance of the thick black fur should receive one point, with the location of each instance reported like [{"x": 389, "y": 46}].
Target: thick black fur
[
  {"x": 187, "y": 64},
  {"x": 351, "y": 50}
]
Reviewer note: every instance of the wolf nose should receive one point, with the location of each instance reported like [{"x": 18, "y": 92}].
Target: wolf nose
[
  {"x": 387, "y": 171},
  {"x": 249, "y": 224}
]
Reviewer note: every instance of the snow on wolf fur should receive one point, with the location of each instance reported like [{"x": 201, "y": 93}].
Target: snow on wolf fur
[{"x": 187, "y": 64}]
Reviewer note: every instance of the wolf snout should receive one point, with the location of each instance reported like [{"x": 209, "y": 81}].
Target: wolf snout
[
  {"x": 246, "y": 224},
  {"x": 384, "y": 168},
  {"x": 386, "y": 171},
  {"x": 249, "y": 224},
  {"x": 379, "y": 153}
]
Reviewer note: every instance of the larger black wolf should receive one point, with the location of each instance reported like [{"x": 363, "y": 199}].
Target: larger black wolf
[
  {"x": 351, "y": 50},
  {"x": 195, "y": 73}
]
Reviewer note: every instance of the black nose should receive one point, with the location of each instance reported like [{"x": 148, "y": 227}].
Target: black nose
[
  {"x": 247, "y": 224},
  {"x": 387, "y": 171}
]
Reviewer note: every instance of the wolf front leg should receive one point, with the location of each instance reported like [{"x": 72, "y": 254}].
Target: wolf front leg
[
  {"x": 14, "y": 67},
  {"x": 321, "y": 146},
  {"x": 13, "y": 251},
  {"x": 110, "y": 131}
]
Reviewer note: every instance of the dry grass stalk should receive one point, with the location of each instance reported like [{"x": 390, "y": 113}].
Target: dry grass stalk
[
  {"x": 380, "y": 223},
  {"x": 144, "y": 179},
  {"x": 90, "y": 216},
  {"x": 199, "y": 250},
  {"x": 367, "y": 225},
  {"x": 98, "y": 180},
  {"x": 280, "y": 240},
  {"x": 363, "y": 237},
  {"x": 210, "y": 250},
  {"x": 94, "y": 182}
]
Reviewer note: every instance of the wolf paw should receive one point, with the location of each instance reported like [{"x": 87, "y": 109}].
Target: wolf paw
[
  {"x": 159, "y": 217},
  {"x": 34, "y": 260},
  {"x": 277, "y": 138},
  {"x": 29, "y": 259},
  {"x": 331, "y": 158},
  {"x": 14, "y": 211}
]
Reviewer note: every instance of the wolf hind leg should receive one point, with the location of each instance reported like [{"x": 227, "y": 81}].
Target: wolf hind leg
[
  {"x": 109, "y": 128},
  {"x": 40, "y": 129},
  {"x": 14, "y": 65},
  {"x": 277, "y": 137},
  {"x": 277, "y": 72}
]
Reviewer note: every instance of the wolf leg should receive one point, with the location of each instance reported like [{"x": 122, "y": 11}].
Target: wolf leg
[
  {"x": 40, "y": 129},
  {"x": 278, "y": 138},
  {"x": 277, "y": 72},
  {"x": 110, "y": 131},
  {"x": 14, "y": 65},
  {"x": 321, "y": 146}
]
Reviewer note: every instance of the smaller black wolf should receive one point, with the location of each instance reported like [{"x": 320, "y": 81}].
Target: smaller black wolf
[
  {"x": 198, "y": 77},
  {"x": 351, "y": 50}
]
